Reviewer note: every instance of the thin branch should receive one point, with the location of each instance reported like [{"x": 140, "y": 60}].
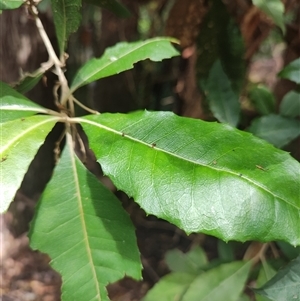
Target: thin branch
[{"x": 85, "y": 107}]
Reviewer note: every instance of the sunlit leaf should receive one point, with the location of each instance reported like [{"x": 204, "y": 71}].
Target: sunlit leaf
[
  {"x": 14, "y": 105},
  {"x": 20, "y": 141},
  {"x": 274, "y": 9},
  {"x": 285, "y": 285},
  {"x": 85, "y": 230},
  {"x": 67, "y": 17},
  {"x": 291, "y": 71},
  {"x": 10, "y": 4},
  {"x": 112, "y": 5},
  {"x": 276, "y": 129},
  {"x": 201, "y": 176},
  {"x": 122, "y": 57}
]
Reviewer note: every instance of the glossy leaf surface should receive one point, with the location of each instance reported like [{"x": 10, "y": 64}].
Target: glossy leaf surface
[
  {"x": 20, "y": 141},
  {"x": 201, "y": 176},
  {"x": 285, "y": 285},
  {"x": 291, "y": 71},
  {"x": 14, "y": 105},
  {"x": 112, "y": 5},
  {"x": 121, "y": 57},
  {"x": 274, "y": 9},
  {"x": 85, "y": 230},
  {"x": 276, "y": 129},
  {"x": 67, "y": 17},
  {"x": 10, "y": 4},
  {"x": 290, "y": 104},
  {"x": 222, "y": 100}
]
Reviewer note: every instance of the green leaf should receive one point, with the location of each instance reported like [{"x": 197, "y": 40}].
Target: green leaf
[
  {"x": 225, "y": 251},
  {"x": 222, "y": 100},
  {"x": 290, "y": 105},
  {"x": 291, "y": 71},
  {"x": 121, "y": 57},
  {"x": 266, "y": 273},
  {"x": 20, "y": 141},
  {"x": 14, "y": 105},
  {"x": 85, "y": 230},
  {"x": 190, "y": 262},
  {"x": 29, "y": 81},
  {"x": 170, "y": 287},
  {"x": 220, "y": 39},
  {"x": 263, "y": 99},
  {"x": 274, "y": 9},
  {"x": 276, "y": 129},
  {"x": 10, "y": 4},
  {"x": 225, "y": 282},
  {"x": 289, "y": 251},
  {"x": 285, "y": 285},
  {"x": 67, "y": 17},
  {"x": 201, "y": 176},
  {"x": 112, "y": 5}
]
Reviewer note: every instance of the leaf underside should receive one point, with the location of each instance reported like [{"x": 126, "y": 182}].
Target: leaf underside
[
  {"x": 20, "y": 141},
  {"x": 203, "y": 177},
  {"x": 85, "y": 230}
]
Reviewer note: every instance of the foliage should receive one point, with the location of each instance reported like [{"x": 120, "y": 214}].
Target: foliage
[{"x": 201, "y": 176}]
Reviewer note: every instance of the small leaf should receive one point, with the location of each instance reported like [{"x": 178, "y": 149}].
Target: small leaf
[
  {"x": 263, "y": 99},
  {"x": 29, "y": 81},
  {"x": 274, "y": 9},
  {"x": 201, "y": 176},
  {"x": 266, "y": 273},
  {"x": 290, "y": 104},
  {"x": 276, "y": 129},
  {"x": 121, "y": 57},
  {"x": 67, "y": 17},
  {"x": 190, "y": 262},
  {"x": 112, "y": 5},
  {"x": 291, "y": 71},
  {"x": 289, "y": 251},
  {"x": 222, "y": 100},
  {"x": 14, "y": 105},
  {"x": 10, "y": 4},
  {"x": 85, "y": 230},
  {"x": 20, "y": 141},
  {"x": 170, "y": 287},
  {"x": 225, "y": 282},
  {"x": 285, "y": 285}
]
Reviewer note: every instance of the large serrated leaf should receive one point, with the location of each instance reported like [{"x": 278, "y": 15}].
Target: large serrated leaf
[
  {"x": 14, "y": 105},
  {"x": 274, "y": 9},
  {"x": 201, "y": 176},
  {"x": 67, "y": 17},
  {"x": 222, "y": 99},
  {"x": 121, "y": 57},
  {"x": 85, "y": 230},
  {"x": 285, "y": 285},
  {"x": 20, "y": 140},
  {"x": 10, "y": 4}
]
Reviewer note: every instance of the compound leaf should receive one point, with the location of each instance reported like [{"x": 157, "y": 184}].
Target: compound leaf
[
  {"x": 85, "y": 230},
  {"x": 201, "y": 176},
  {"x": 121, "y": 57},
  {"x": 20, "y": 141}
]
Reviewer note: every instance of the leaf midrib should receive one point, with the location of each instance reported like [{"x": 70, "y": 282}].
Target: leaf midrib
[{"x": 183, "y": 158}]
